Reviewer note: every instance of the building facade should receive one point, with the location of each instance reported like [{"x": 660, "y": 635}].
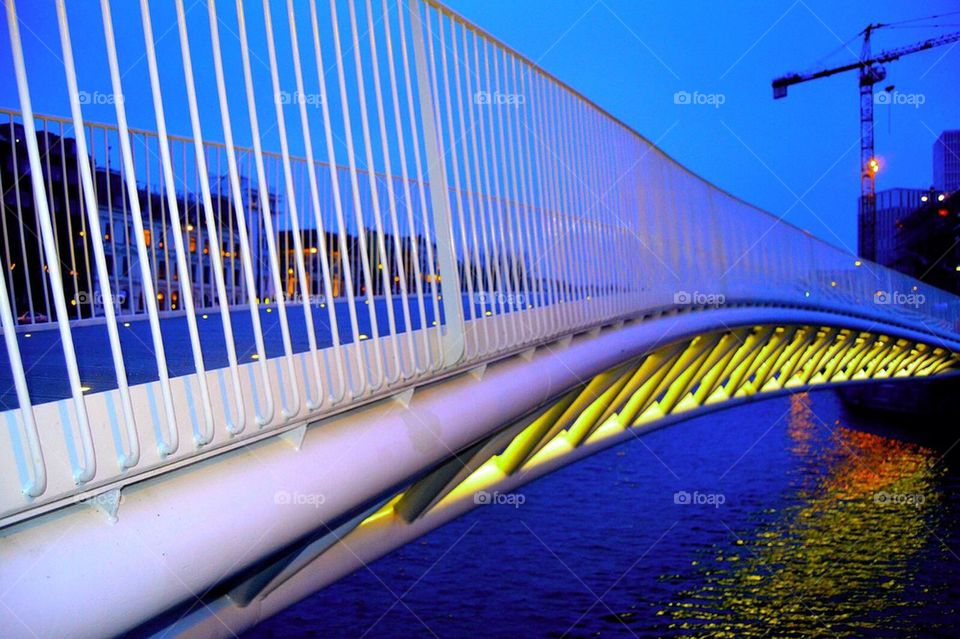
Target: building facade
[
  {"x": 929, "y": 242},
  {"x": 893, "y": 206},
  {"x": 946, "y": 161}
]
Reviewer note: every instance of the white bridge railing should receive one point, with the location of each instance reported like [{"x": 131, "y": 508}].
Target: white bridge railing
[{"x": 394, "y": 194}]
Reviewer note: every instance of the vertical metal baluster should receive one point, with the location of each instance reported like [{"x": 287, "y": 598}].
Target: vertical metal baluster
[
  {"x": 317, "y": 211},
  {"x": 524, "y": 196},
  {"x": 172, "y": 441},
  {"x": 67, "y": 213},
  {"x": 482, "y": 264},
  {"x": 493, "y": 194},
  {"x": 383, "y": 262},
  {"x": 345, "y": 259},
  {"x": 539, "y": 150},
  {"x": 557, "y": 212},
  {"x": 268, "y": 228},
  {"x": 532, "y": 198},
  {"x": 577, "y": 237},
  {"x": 10, "y": 264},
  {"x": 28, "y": 280},
  {"x": 508, "y": 210},
  {"x": 391, "y": 196},
  {"x": 438, "y": 363},
  {"x": 454, "y": 157},
  {"x": 470, "y": 269},
  {"x": 408, "y": 200},
  {"x": 37, "y": 483},
  {"x": 375, "y": 383},
  {"x": 88, "y": 467},
  {"x": 491, "y": 263},
  {"x": 312, "y": 403},
  {"x": 236, "y": 421},
  {"x": 567, "y": 180},
  {"x": 265, "y": 416},
  {"x": 585, "y": 243},
  {"x": 517, "y": 231},
  {"x": 130, "y": 451},
  {"x": 453, "y": 332},
  {"x": 206, "y": 433}
]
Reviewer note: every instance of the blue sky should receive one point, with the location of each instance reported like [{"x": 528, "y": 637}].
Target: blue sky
[
  {"x": 632, "y": 56},
  {"x": 797, "y": 157}
]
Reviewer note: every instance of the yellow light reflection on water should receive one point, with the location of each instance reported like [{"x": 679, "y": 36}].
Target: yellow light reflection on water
[{"x": 839, "y": 562}]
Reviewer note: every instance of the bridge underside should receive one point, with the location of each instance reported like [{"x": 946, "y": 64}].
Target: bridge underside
[{"x": 666, "y": 384}]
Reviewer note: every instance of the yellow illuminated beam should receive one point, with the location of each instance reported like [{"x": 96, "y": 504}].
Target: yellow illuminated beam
[{"x": 688, "y": 374}]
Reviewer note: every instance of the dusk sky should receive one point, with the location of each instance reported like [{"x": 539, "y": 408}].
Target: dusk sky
[{"x": 797, "y": 157}]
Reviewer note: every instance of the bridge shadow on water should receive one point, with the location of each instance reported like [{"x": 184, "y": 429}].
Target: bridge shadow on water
[{"x": 791, "y": 517}]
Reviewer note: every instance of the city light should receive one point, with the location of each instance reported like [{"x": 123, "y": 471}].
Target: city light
[{"x": 873, "y": 165}]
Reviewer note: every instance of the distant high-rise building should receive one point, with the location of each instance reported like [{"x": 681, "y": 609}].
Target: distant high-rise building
[
  {"x": 946, "y": 161},
  {"x": 893, "y": 205},
  {"x": 929, "y": 242}
]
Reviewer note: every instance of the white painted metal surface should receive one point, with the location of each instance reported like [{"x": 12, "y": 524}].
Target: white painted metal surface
[
  {"x": 465, "y": 207},
  {"x": 521, "y": 213},
  {"x": 240, "y": 503}
]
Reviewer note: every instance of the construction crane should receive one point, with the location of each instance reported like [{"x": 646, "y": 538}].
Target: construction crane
[{"x": 871, "y": 71}]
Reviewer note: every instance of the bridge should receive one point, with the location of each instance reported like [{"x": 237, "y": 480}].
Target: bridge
[{"x": 392, "y": 269}]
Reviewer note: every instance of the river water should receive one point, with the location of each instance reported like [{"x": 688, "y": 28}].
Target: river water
[{"x": 791, "y": 517}]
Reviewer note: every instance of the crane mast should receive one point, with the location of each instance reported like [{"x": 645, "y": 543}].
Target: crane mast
[
  {"x": 871, "y": 71},
  {"x": 870, "y": 74}
]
